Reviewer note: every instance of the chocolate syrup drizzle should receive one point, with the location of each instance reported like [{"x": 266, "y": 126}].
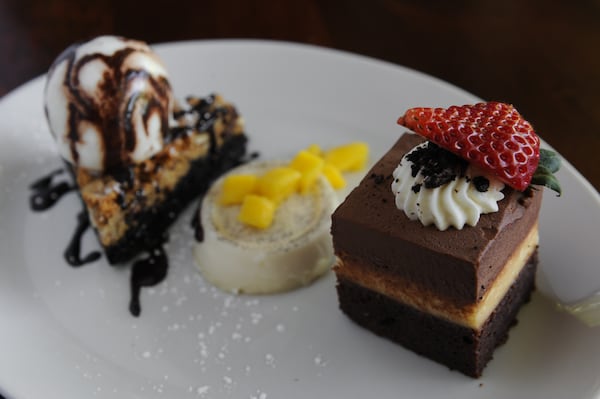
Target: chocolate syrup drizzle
[
  {"x": 116, "y": 137},
  {"x": 152, "y": 268},
  {"x": 147, "y": 272},
  {"x": 45, "y": 194},
  {"x": 196, "y": 223},
  {"x": 72, "y": 253}
]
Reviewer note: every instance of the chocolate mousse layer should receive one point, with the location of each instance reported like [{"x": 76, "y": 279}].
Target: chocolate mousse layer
[{"x": 459, "y": 265}]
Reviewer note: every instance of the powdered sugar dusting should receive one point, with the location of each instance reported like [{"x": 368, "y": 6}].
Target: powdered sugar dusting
[{"x": 191, "y": 340}]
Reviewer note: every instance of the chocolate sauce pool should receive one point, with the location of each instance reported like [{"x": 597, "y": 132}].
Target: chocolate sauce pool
[
  {"x": 196, "y": 223},
  {"x": 72, "y": 253},
  {"x": 146, "y": 272},
  {"x": 151, "y": 268},
  {"x": 45, "y": 194}
]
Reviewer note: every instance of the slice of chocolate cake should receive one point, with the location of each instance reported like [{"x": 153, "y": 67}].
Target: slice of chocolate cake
[{"x": 446, "y": 275}]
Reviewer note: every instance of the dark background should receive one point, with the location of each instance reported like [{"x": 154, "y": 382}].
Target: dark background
[{"x": 542, "y": 56}]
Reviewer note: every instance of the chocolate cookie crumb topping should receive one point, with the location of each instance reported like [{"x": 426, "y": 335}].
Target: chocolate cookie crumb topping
[
  {"x": 437, "y": 165},
  {"x": 378, "y": 179},
  {"x": 481, "y": 184}
]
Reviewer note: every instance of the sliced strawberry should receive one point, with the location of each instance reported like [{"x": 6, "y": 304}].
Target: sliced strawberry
[{"x": 492, "y": 135}]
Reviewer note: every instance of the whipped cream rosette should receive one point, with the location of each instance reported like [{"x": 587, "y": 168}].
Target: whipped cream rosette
[{"x": 441, "y": 189}]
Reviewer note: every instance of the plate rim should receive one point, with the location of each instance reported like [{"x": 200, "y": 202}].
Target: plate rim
[{"x": 581, "y": 180}]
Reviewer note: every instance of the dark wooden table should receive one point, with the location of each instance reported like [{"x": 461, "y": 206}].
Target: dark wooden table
[{"x": 541, "y": 55}]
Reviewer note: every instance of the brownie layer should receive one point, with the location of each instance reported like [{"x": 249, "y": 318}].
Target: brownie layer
[
  {"x": 458, "y": 347},
  {"x": 131, "y": 208},
  {"x": 469, "y": 315},
  {"x": 151, "y": 224},
  {"x": 459, "y": 265}
]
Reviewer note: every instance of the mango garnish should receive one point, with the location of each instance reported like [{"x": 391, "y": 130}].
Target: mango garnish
[{"x": 259, "y": 196}]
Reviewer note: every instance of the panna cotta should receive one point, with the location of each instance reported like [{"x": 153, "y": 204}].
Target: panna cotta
[{"x": 293, "y": 251}]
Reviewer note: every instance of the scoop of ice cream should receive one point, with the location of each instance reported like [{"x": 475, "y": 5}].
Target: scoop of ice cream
[{"x": 108, "y": 103}]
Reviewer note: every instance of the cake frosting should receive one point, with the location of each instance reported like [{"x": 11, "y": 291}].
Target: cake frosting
[
  {"x": 459, "y": 201},
  {"x": 108, "y": 103}
]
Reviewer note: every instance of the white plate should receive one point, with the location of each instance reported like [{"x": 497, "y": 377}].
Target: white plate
[{"x": 66, "y": 333}]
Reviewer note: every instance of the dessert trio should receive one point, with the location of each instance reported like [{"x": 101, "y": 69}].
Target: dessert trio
[{"x": 435, "y": 249}]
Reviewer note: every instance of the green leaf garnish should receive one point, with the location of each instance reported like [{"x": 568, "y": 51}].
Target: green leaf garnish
[
  {"x": 550, "y": 160},
  {"x": 544, "y": 174}
]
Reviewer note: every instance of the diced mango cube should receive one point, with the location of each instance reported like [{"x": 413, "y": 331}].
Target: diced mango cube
[
  {"x": 306, "y": 161},
  {"x": 310, "y": 166},
  {"x": 334, "y": 176},
  {"x": 278, "y": 183},
  {"x": 236, "y": 187},
  {"x": 315, "y": 149},
  {"x": 348, "y": 158},
  {"x": 257, "y": 211}
]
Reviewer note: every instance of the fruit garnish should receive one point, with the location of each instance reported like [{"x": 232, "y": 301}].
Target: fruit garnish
[
  {"x": 349, "y": 157},
  {"x": 544, "y": 174},
  {"x": 259, "y": 196},
  {"x": 310, "y": 166},
  {"x": 334, "y": 176},
  {"x": 492, "y": 135},
  {"x": 278, "y": 183},
  {"x": 257, "y": 211},
  {"x": 236, "y": 187}
]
